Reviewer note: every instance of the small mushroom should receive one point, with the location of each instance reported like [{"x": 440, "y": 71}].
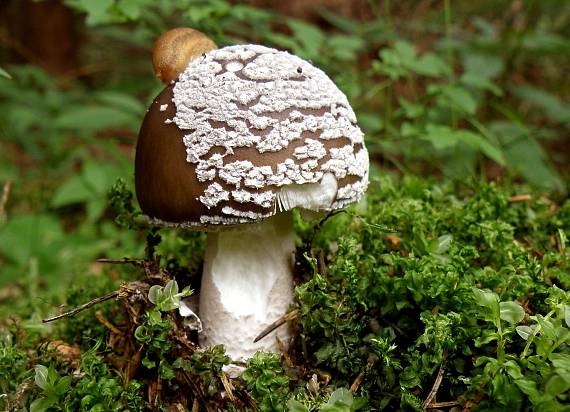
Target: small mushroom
[{"x": 244, "y": 135}]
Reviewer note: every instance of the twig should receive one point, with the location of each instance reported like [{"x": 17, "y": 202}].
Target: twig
[
  {"x": 322, "y": 222},
  {"x": 227, "y": 386},
  {"x": 437, "y": 382},
  {"x": 520, "y": 198},
  {"x": 4, "y": 201},
  {"x": 108, "y": 324},
  {"x": 437, "y": 405},
  {"x": 84, "y": 306},
  {"x": 356, "y": 384},
  {"x": 124, "y": 261},
  {"x": 282, "y": 320}
]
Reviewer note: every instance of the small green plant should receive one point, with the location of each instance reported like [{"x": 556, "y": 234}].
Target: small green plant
[
  {"x": 156, "y": 330},
  {"x": 341, "y": 400},
  {"x": 53, "y": 387},
  {"x": 267, "y": 382}
]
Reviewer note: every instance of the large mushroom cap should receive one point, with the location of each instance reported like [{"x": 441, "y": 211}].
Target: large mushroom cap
[{"x": 241, "y": 127}]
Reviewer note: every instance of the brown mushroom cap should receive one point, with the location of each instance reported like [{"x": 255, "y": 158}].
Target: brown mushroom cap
[{"x": 241, "y": 124}]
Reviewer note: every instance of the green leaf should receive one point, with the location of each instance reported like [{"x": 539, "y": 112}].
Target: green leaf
[
  {"x": 171, "y": 289},
  {"x": 295, "y": 406},
  {"x": 489, "y": 300},
  {"x": 97, "y": 10},
  {"x": 93, "y": 118},
  {"x": 547, "y": 327},
  {"x": 511, "y": 312},
  {"x": 444, "y": 137},
  {"x": 484, "y": 65},
  {"x": 40, "y": 242},
  {"x": 528, "y": 387},
  {"x": 62, "y": 386},
  {"x": 133, "y": 8},
  {"x": 4, "y": 73},
  {"x": 309, "y": 36},
  {"x": 550, "y": 104},
  {"x": 340, "y": 401},
  {"x": 556, "y": 385},
  {"x": 72, "y": 191},
  {"x": 480, "y": 82},
  {"x": 525, "y": 331},
  {"x": 525, "y": 155},
  {"x": 42, "y": 404},
  {"x": 460, "y": 98},
  {"x": 513, "y": 369},
  {"x": 155, "y": 294},
  {"x": 41, "y": 375},
  {"x": 560, "y": 361},
  {"x": 121, "y": 101},
  {"x": 430, "y": 64}
]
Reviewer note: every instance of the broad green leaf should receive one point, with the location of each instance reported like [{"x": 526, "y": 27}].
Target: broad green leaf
[
  {"x": 295, "y": 406},
  {"x": 489, "y": 300},
  {"x": 309, "y": 36},
  {"x": 36, "y": 236},
  {"x": 345, "y": 47},
  {"x": 528, "y": 387},
  {"x": 62, "y": 386},
  {"x": 97, "y": 10},
  {"x": 443, "y": 137},
  {"x": 171, "y": 289},
  {"x": 41, "y": 375},
  {"x": 98, "y": 176},
  {"x": 525, "y": 331},
  {"x": 487, "y": 66},
  {"x": 121, "y": 101},
  {"x": 556, "y": 385},
  {"x": 480, "y": 82},
  {"x": 460, "y": 98},
  {"x": 560, "y": 360},
  {"x": 511, "y": 312},
  {"x": 75, "y": 190},
  {"x": 340, "y": 401},
  {"x": 155, "y": 294},
  {"x": 525, "y": 155},
  {"x": 513, "y": 369},
  {"x": 547, "y": 327},
  {"x": 42, "y": 404},
  {"x": 567, "y": 315},
  {"x": 93, "y": 118},
  {"x": 430, "y": 64},
  {"x": 551, "y": 104},
  {"x": 133, "y": 8}
]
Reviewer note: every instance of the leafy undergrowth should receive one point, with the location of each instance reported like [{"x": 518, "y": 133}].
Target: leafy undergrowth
[{"x": 448, "y": 297}]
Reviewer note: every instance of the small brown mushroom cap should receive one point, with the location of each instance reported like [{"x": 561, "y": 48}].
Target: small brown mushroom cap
[
  {"x": 239, "y": 127},
  {"x": 175, "y": 49}
]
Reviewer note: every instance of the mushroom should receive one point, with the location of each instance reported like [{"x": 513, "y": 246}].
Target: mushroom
[{"x": 238, "y": 138}]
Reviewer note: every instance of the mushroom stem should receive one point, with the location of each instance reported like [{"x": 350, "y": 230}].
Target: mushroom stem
[{"x": 247, "y": 284}]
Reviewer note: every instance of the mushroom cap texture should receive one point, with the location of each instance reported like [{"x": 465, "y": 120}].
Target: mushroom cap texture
[{"x": 240, "y": 124}]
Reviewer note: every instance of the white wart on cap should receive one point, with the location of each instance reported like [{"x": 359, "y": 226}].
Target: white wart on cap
[{"x": 256, "y": 124}]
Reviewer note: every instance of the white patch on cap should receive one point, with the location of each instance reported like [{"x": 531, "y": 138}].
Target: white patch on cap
[
  {"x": 234, "y": 66},
  {"x": 250, "y": 96},
  {"x": 163, "y": 107},
  {"x": 213, "y": 195}
]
